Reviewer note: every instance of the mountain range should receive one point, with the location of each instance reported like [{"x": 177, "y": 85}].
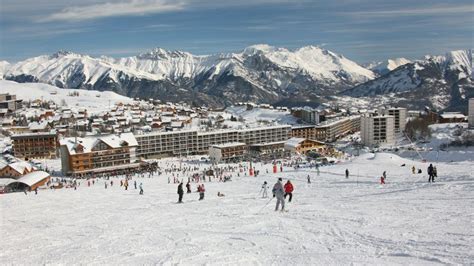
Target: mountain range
[{"x": 260, "y": 73}]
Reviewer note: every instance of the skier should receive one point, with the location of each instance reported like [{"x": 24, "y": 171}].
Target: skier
[
  {"x": 309, "y": 179},
  {"x": 289, "y": 190},
  {"x": 36, "y": 191},
  {"x": 384, "y": 174},
  {"x": 264, "y": 189},
  {"x": 382, "y": 180},
  {"x": 430, "y": 173},
  {"x": 435, "y": 172},
  {"x": 135, "y": 184},
  {"x": 279, "y": 194},
  {"x": 201, "y": 190},
  {"x": 413, "y": 170},
  {"x": 141, "y": 188},
  {"x": 347, "y": 173},
  {"x": 180, "y": 192},
  {"x": 188, "y": 187},
  {"x": 126, "y": 184}
]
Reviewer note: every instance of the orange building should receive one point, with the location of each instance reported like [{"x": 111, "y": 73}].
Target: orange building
[{"x": 80, "y": 156}]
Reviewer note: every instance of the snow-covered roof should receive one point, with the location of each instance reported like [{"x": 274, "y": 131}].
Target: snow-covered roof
[
  {"x": 294, "y": 142},
  {"x": 229, "y": 145},
  {"x": 38, "y": 126},
  {"x": 88, "y": 143},
  {"x": 6, "y": 181},
  {"x": 33, "y": 178},
  {"x": 20, "y": 166},
  {"x": 450, "y": 115}
]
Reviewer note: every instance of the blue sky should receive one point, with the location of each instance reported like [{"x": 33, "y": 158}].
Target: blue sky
[{"x": 362, "y": 30}]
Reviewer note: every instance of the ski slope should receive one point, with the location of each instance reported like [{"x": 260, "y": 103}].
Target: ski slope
[{"x": 332, "y": 221}]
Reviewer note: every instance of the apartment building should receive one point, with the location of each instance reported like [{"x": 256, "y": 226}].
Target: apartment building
[
  {"x": 471, "y": 113},
  {"x": 228, "y": 152},
  {"x": 98, "y": 154},
  {"x": 377, "y": 130},
  {"x": 9, "y": 102},
  {"x": 35, "y": 145},
  {"x": 333, "y": 129},
  {"x": 400, "y": 116},
  {"x": 189, "y": 142}
]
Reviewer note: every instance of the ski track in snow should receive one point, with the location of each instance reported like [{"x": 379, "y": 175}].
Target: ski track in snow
[{"x": 333, "y": 220}]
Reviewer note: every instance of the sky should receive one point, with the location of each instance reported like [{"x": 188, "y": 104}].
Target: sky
[{"x": 361, "y": 30}]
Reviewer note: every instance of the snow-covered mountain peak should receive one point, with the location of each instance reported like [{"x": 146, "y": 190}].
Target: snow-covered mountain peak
[
  {"x": 384, "y": 67},
  {"x": 160, "y": 53},
  {"x": 258, "y": 48},
  {"x": 62, "y": 53}
]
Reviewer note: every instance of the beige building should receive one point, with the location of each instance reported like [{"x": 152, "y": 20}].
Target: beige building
[
  {"x": 471, "y": 113},
  {"x": 377, "y": 130},
  {"x": 331, "y": 130},
  {"x": 400, "y": 117},
  {"x": 228, "y": 152},
  {"x": 189, "y": 142}
]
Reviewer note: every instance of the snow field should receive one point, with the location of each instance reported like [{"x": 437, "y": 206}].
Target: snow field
[{"x": 333, "y": 220}]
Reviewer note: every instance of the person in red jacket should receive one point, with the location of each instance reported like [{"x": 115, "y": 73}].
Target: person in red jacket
[{"x": 288, "y": 190}]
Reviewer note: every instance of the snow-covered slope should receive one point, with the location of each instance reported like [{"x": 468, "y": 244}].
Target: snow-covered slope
[
  {"x": 258, "y": 73},
  {"x": 93, "y": 101},
  {"x": 437, "y": 81},
  {"x": 332, "y": 221}
]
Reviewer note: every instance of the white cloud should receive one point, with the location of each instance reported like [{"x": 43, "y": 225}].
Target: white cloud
[
  {"x": 418, "y": 11},
  {"x": 124, "y": 8}
]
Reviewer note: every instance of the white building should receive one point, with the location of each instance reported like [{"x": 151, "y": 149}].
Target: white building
[
  {"x": 471, "y": 113},
  {"x": 400, "y": 115},
  {"x": 377, "y": 130}
]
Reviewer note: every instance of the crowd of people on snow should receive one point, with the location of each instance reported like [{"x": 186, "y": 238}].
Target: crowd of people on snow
[{"x": 198, "y": 175}]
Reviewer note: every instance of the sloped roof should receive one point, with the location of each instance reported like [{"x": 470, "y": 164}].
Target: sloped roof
[
  {"x": 21, "y": 166},
  {"x": 33, "y": 178},
  {"x": 113, "y": 141}
]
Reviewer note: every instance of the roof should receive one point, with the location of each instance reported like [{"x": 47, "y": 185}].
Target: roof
[
  {"x": 267, "y": 144},
  {"x": 229, "y": 145},
  {"x": 114, "y": 141},
  {"x": 21, "y": 166},
  {"x": 51, "y": 133},
  {"x": 453, "y": 115},
  {"x": 6, "y": 181},
  {"x": 293, "y": 142},
  {"x": 33, "y": 178},
  {"x": 38, "y": 126}
]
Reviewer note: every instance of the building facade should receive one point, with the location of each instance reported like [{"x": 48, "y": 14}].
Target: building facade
[
  {"x": 228, "y": 152},
  {"x": 9, "y": 102},
  {"x": 191, "y": 142},
  {"x": 400, "y": 117},
  {"x": 377, "y": 130},
  {"x": 35, "y": 145},
  {"x": 93, "y": 155}
]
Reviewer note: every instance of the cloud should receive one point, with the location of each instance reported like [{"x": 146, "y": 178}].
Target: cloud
[
  {"x": 124, "y": 8},
  {"x": 416, "y": 11}
]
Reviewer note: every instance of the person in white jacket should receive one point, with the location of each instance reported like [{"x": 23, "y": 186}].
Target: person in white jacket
[{"x": 264, "y": 190}]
